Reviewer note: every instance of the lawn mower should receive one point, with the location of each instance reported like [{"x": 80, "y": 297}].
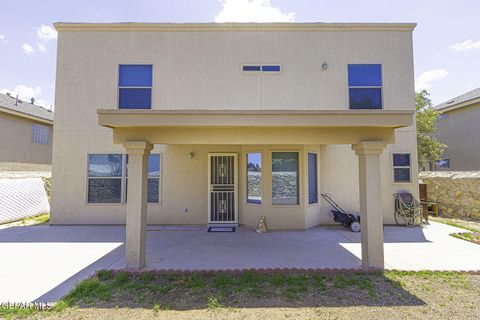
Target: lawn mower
[{"x": 348, "y": 220}]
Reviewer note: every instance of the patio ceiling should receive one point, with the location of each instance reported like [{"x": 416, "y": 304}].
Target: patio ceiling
[{"x": 254, "y": 126}]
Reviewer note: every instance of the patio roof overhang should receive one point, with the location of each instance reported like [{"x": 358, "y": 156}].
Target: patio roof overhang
[{"x": 254, "y": 126}]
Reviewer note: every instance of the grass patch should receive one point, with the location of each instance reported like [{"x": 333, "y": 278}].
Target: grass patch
[
  {"x": 109, "y": 290},
  {"x": 194, "y": 282},
  {"x": 30, "y": 221},
  {"x": 462, "y": 224},
  {"x": 472, "y": 236},
  {"x": 213, "y": 302},
  {"x": 467, "y": 236},
  {"x": 17, "y": 312},
  {"x": 88, "y": 292},
  {"x": 121, "y": 278},
  {"x": 319, "y": 281},
  {"x": 41, "y": 219}
]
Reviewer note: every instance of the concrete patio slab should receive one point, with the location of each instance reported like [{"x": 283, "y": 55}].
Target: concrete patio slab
[{"x": 42, "y": 263}]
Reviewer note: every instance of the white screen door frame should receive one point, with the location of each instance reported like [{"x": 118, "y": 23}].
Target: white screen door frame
[{"x": 223, "y": 188}]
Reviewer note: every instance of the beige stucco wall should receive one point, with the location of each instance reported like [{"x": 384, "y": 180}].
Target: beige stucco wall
[
  {"x": 461, "y": 132},
  {"x": 17, "y": 151},
  {"x": 202, "y": 70}
]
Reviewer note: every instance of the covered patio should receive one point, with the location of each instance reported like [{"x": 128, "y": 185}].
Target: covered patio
[{"x": 367, "y": 131}]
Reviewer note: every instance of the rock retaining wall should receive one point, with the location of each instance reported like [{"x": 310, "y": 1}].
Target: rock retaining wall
[{"x": 456, "y": 192}]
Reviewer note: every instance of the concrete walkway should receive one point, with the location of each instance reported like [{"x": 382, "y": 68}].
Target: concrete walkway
[{"x": 42, "y": 263}]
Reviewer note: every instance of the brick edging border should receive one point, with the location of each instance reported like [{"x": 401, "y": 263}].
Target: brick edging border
[{"x": 282, "y": 270}]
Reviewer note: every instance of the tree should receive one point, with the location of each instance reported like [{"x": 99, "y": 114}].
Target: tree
[{"x": 429, "y": 147}]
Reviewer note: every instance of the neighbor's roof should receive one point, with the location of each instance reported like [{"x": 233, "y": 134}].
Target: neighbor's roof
[
  {"x": 461, "y": 101},
  {"x": 24, "y": 109},
  {"x": 231, "y": 26}
]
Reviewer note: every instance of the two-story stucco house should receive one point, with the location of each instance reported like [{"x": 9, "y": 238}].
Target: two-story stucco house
[
  {"x": 459, "y": 128},
  {"x": 26, "y": 131},
  {"x": 225, "y": 123}
]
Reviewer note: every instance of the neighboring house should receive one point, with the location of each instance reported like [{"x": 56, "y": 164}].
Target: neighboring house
[
  {"x": 226, "y": 123},
  {"x": 459, "y": 128},
  {"x": 26, "y": 132}
]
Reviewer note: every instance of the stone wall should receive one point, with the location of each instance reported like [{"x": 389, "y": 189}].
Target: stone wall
[{"x": 456, "y": 192}]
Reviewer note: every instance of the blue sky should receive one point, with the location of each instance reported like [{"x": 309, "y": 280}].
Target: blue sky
[{"x": 446, "y": 40}]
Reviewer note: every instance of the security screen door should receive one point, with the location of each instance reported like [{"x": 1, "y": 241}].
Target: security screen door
[{"x": 222, "y": 188}]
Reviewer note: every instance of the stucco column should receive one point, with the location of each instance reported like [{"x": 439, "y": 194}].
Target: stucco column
[
  {"x": 371, "y": 215},
  {"x": 136, "y": 217}
]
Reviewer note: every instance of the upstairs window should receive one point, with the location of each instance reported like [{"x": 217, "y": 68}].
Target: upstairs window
[
  {"x": 135, "y": 86},
  {"x": 262, "y": 68},
  {"x": 39, "y": 134},
  {"x": 365, "y": 86},
  {"x": 271, "y": 68}
]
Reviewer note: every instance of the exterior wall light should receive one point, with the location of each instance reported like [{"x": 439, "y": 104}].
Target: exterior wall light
[{"x": 324, "y": 66}]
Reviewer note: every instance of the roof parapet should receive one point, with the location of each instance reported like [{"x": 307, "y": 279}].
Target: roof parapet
[{"x": 219, "y": 27}]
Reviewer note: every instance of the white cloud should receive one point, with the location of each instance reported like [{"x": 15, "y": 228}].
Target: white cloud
[
  {"x": 26, "y": 93},
  {"x": 41, "y": 47},
  {"x": 46, "y": 33},
  {"x": 45, "y": 103},
  {"x": 424, "y": 82},
  {"x": 28, "y": 49},
  {"x": 3, "y": 39},
  {"x": 251, "y": 11},
  {"x": 466, "y": 45}
]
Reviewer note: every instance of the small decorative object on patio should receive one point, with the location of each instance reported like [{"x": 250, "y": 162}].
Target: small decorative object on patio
[
  {"x": 408, "y": 210},
  {"x": 262, "y": 226}
]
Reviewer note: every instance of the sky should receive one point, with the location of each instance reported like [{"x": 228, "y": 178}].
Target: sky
[{"x": 446, "y": 40}]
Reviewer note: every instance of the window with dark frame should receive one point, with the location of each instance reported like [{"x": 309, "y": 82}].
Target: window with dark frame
[
  {"x": 365, "y": 86},
  {"x": 285, "y": 178},
  {"x": 312, "y": 178},
  {"x": 106, "y": 172},
  {"x": 39, "y": 133},
  {"x": 254, "y": 178},
  {"x": 401, "y": 167},
  {"x": 268, "y": 68},
  {"x": 443, "y": 164},
  {"x": 135, "y": 86}
]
